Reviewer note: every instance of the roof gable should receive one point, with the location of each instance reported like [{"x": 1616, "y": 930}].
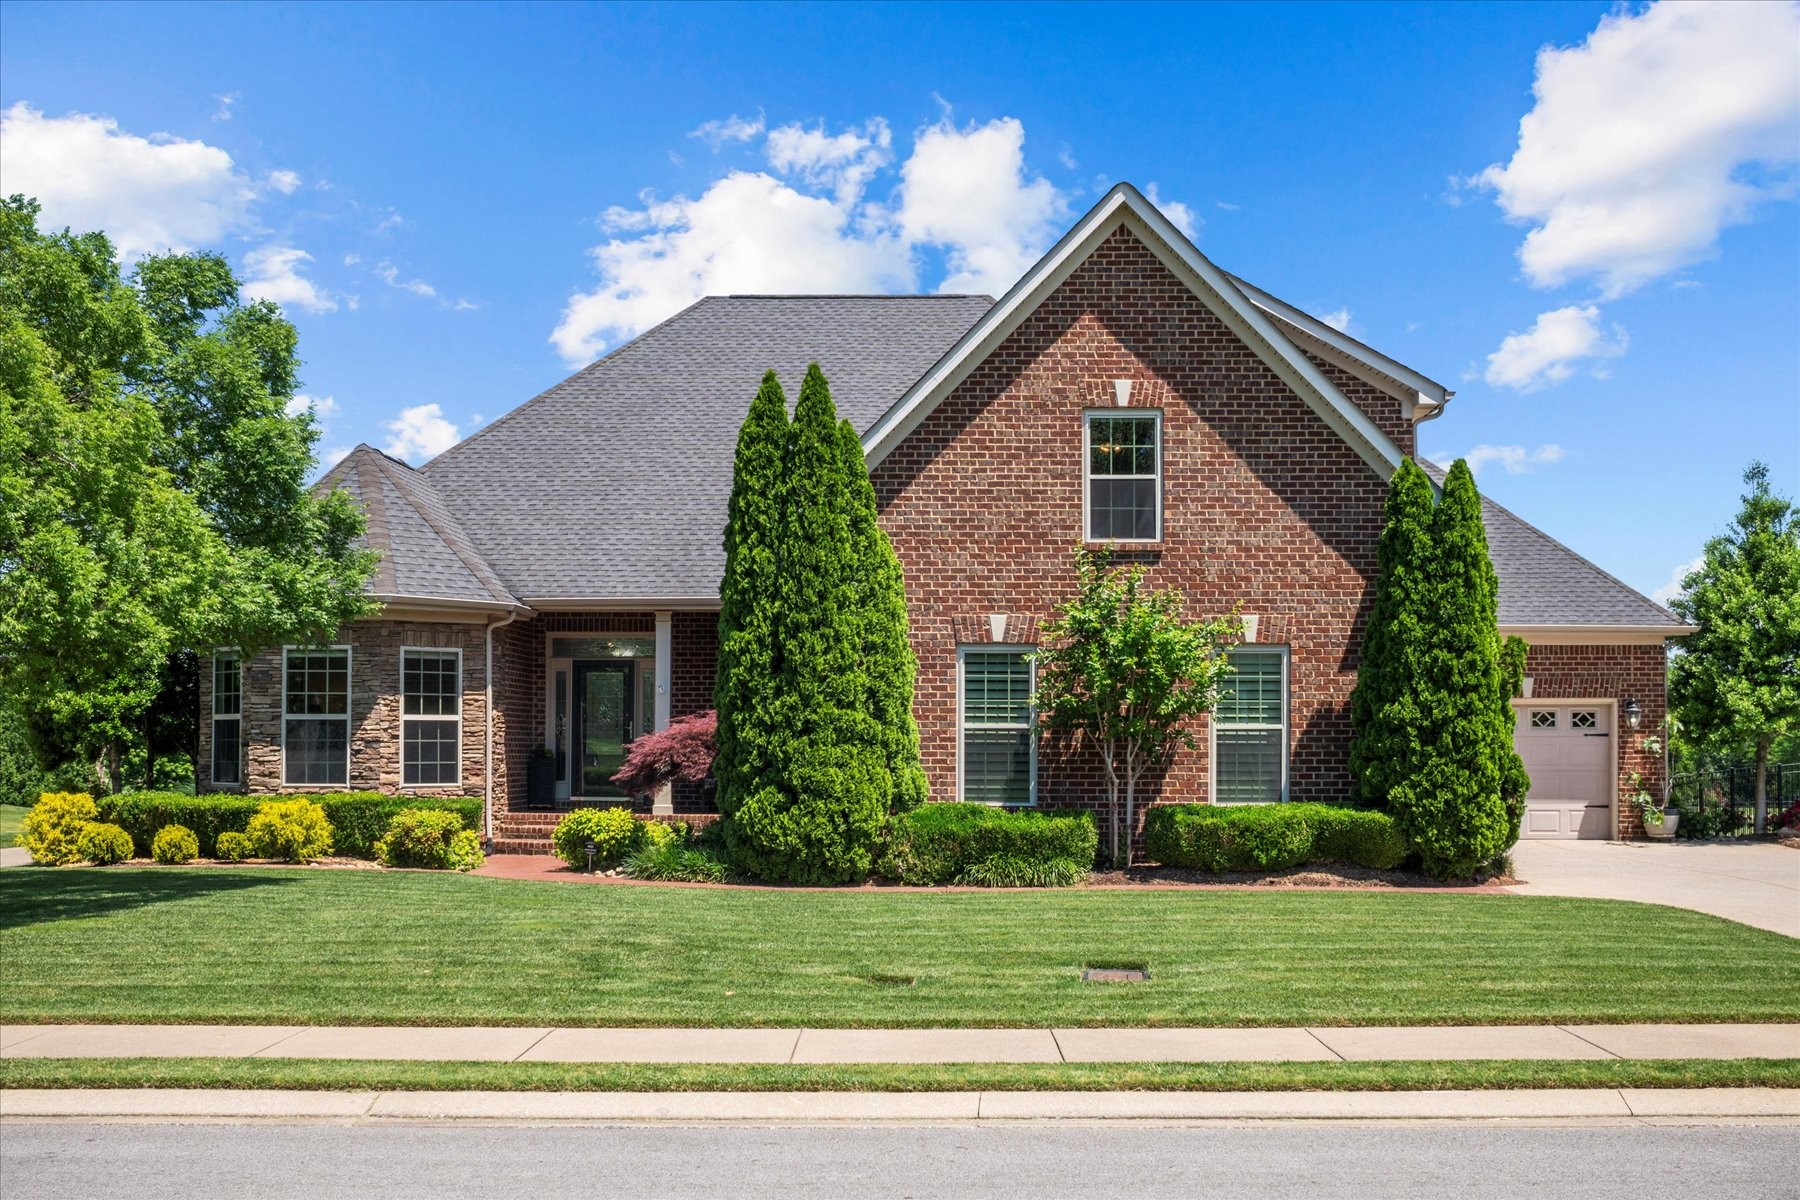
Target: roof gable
[{"x": 1126, "y": 206}]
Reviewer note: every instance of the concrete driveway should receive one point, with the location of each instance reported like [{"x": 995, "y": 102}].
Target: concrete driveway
[
  {"x": 1757, "y": 883},
  {"x": 14, "y": 856}
]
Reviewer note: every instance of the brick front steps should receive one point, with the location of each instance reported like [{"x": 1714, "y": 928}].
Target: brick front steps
[{"x": 529, "y": 832}]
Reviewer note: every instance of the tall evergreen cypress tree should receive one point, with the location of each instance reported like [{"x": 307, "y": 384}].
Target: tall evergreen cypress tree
[
  {"x": 888, "y": 664},
  {"x": 819, "y": 813},
  {"x": 1385, "y": 712},
  {"x": 1451, "y": 807},
  {"x": 749, "y": 658}
]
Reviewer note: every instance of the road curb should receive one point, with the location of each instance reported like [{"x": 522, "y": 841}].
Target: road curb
[{"x": 774, "y": 1108}]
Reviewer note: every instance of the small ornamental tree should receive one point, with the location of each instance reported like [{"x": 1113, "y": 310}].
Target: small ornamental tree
[
  {"x": 1735, "y": 683},
  {"x": 1450, "y": 805},
  {"x": 682, "y": 753},
  {"x": 749, "y": 655},
  {"x": 1386, "y": 716},
  {"x": 1121, "y": 670}
]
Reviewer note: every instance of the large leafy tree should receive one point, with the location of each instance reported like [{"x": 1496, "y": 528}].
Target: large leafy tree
[
  {"x": 1735, "y": 683},
  {"x": 1124, "y": 672},
  {"x": 152, "y": 484},
  {"x": 1386, "y": 708}
]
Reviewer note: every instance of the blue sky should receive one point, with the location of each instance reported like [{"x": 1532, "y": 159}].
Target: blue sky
[{"x": 457, "y": 204}]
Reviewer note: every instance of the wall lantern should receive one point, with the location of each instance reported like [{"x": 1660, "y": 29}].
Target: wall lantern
[{"x": 1634, "y": 713}]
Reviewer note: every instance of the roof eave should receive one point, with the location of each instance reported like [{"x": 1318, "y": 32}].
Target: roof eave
[{"x": 1597, "y": 635}]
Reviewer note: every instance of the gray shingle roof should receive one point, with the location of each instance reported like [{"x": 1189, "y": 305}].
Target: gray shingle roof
[
  {"x": 425, "y": 553},
  {"x": 1543, "y": 582},
  {"x": 612, "y": 485}
]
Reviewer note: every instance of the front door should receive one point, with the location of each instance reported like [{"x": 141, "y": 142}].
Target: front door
[{"x": 603, "y": 725}]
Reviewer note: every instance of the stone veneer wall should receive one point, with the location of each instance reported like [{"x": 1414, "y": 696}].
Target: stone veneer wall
[
  {"x": 374, "y": 710},
  {"x": 1611, "y": 673}
]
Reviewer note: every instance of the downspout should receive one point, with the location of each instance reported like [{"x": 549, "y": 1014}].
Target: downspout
[{"x": 487, "y": 725}]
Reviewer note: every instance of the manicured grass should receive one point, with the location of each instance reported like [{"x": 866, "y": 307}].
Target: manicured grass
[
  {"x": 365, "y": 947},
  {"x": 11, "y": 817},
  {"x": 995, "y": 1077}
]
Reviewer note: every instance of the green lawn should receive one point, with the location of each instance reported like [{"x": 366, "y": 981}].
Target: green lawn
[
  {"x": 11, "y": 817},
  {"x": 368, "y": 947},
  {"x": 993, "y": 1077}
]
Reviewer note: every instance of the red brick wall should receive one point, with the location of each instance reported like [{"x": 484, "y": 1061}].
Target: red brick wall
[
  {"x": 694, "y": 645},
  {"x": 1264, "y": 507},
  {"x": 1611, "y": 673}
]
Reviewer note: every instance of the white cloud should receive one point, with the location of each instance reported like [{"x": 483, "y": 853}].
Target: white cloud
[
  {"x": 1663, "y": 127},
  {"x": 1337, "y": 318},
  {"x": 274, "y": 274},
  {"x": 419, "y": 433},
  {"x": 748, "y": 232},
  {"x": 150, "y": 195},
  {"x": 812, "y": 228},
  {"x": 464, "y": 305},
  {"x": 334, "y": 456},
  {"x": 967, "y": 191},
  {"x": 321, "y": 407},
  {"x": 390, "y": 275},
  {"x": 1673, "y": 588},
  {"x": 223, "y": 112},
  {"x": 1551, "y": 349},
  {"x": 285, "y": 182},
  {"x": 844, "y": 162},
  {"x": 729, "y": 129},
  {"x": 350, "y": 260},
  {"x": 1515, "y": 460},
  {"x": 1066, "y": 157},
  {"x": 1227, "y": 205},
  {"x": 1177, "y": 212}
]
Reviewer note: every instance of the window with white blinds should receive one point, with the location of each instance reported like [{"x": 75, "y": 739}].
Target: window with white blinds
[
  {"x": 998, "y": 751},
  {"x": 1249, "y": 728}
]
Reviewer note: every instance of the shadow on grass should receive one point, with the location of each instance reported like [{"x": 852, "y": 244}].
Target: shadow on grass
[{"x": 31, "y": 896}]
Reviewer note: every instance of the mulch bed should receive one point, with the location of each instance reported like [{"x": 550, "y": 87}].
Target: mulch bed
[{"x": 1317, "y": 876}]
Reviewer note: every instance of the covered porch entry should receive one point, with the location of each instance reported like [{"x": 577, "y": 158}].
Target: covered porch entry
[{"x": 605, "y": 691}]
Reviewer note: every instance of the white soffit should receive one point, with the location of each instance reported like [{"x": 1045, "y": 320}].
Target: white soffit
[{"x": 1127, "y": 206}]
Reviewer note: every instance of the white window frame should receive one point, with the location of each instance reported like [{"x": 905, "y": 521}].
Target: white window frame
[
  {"x": 212, "y": 702},
  {"x": 1213, "y": 725},
  {"x": 1029, "y": 654},
  {"x": 1088, "y": 418},
  {"x": 440, "y": 651},
  {"x": 349, "y": 707}
]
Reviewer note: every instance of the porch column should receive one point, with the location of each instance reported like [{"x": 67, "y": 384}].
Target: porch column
[{"x": 664, "y": 800}]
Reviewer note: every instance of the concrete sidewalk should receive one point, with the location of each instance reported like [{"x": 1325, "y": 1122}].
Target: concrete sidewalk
[
  {"x": 1316, "y": 1044},
  {"x": 771, "y": 1108}
]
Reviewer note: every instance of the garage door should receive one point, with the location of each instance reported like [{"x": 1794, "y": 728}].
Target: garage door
[{"x": 1568, "y": 750}]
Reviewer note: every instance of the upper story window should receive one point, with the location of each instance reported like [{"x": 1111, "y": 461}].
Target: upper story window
[
  {"x": 1124, "y": 476},
  {"x": 227, "y": 719},
  {"x": 998, "y": 743},
  {"x": 430, "y": 717},
  {"x": 316, "y": 716}
]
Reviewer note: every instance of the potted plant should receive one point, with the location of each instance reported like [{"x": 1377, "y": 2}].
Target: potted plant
[
  {"x": 540, "y": 779},
  {"x": 1660, "y": 819}
]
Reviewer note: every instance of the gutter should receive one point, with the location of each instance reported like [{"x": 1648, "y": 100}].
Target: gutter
[
  {"x": 1437, "y": 408},
  {"x": 487, "y": 726}
]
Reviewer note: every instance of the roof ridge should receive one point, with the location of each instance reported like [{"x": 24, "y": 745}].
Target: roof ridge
[
  {"x": 471, "y": 560},
  {"x": 848, "y": 296},
  {"x": 608, "y": 357}
]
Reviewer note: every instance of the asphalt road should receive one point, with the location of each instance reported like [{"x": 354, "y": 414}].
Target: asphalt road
[{"x": 1036, "y": 1162}]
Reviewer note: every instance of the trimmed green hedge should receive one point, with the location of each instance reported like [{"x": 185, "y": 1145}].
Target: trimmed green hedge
[
  {"x": 1270, "y": 837},
  {"x": 358, "y": 819},
  {"x": 974, "y": 843}
]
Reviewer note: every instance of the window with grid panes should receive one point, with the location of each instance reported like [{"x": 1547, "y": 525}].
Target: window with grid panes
[
  {"x": 316, "y": 716},
  {"x": 1124, "y": 476},
  {"x": 999, "y": 744},
  {"x": 430, "y": 717},
  {"x": 1249, "y": 729},
  {"x": 227, "y": 719}
]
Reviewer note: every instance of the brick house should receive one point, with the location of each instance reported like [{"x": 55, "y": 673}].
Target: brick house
[{"x": 550, "y": 584}]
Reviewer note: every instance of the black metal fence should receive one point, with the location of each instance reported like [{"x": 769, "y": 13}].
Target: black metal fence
[{"x": 1721, "y": 802}]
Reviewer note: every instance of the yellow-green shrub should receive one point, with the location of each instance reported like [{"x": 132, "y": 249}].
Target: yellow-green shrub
[
  {"x": 175, "y": 844},
  {"x": 54, "y": 824},
  {"x": 232, "y": 846},
  {"x": 293, "y": 830},
  {"x": 103, "y": 844},
  {"x": 614, "y": 832}
]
